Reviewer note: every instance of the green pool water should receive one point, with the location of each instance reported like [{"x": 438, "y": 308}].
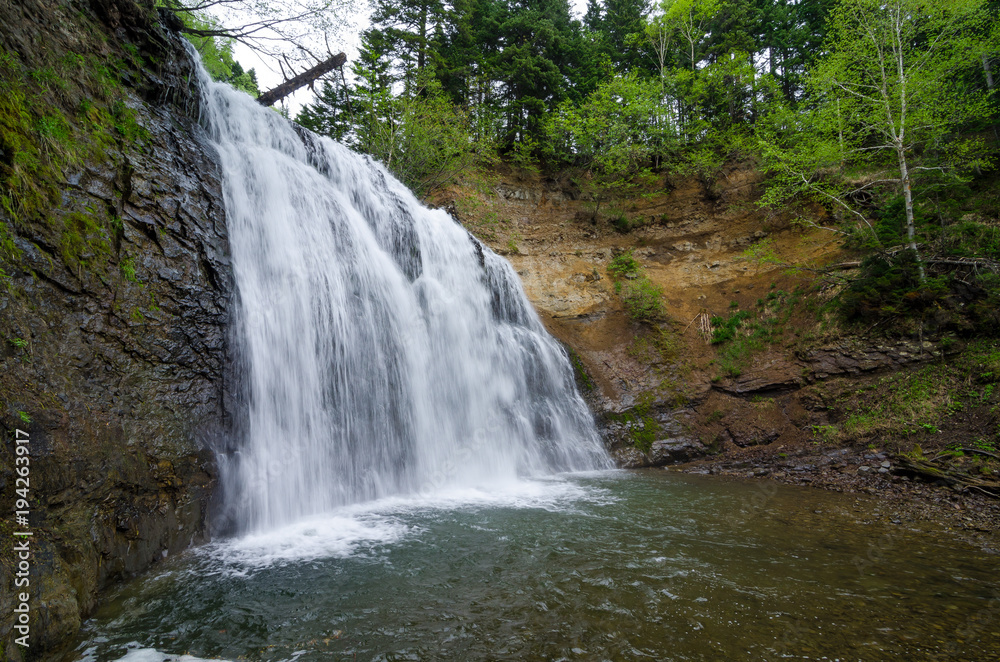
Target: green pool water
[{"x": 610, "y": 566}]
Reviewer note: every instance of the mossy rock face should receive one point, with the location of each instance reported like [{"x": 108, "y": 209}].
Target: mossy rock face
[
  {"x": 648, "y": 434},
  {"x": 114, "y": 285}
]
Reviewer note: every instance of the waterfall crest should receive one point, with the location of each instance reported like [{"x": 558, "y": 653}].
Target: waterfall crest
[{"x": 384, "y": 349}]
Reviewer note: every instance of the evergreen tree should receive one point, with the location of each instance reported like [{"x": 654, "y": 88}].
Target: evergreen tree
[
  {"x": 330, "y": 114},
  {"x": 408, "y": 28},
  {"x": 619, "y": 26},
  {"x": 540, "y": 53}
]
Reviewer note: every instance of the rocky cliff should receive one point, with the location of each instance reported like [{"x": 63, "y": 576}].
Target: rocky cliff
[{"x": 114, "y": 292}]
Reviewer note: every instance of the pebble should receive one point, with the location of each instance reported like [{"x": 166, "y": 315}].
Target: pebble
[{"x": 864, "y": 469}]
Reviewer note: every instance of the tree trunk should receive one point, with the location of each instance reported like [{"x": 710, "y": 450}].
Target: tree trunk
[
  {"x": 422, "y": 53},
  {"x": 900, "y": 142},
  {"x": 278, "y": 93},
  {"x": 911, "y": 233}
]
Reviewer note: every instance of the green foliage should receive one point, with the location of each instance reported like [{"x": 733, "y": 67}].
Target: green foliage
[
  {"x": 689, "y": 21},
  {"x": 824, "y": 433},
  {"x": 624, "y": 265},
  {"x": 434, "y": 144},
  {"x": 613, "y": 135},
  {"x": 642, "y": 299},
  {"x": 724, "y": 329},
  {"x": 892, "y": 97},
  {"x": 25, "y": 418},
  {"x": 127, "y": 268},
  {"x": 983, "y": 445},
  {"x": 890, "y": 149},
  {"x": 217, "y": 52}
]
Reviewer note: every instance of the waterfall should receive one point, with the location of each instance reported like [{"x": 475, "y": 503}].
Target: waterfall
[{"x": 384, "y": 350}]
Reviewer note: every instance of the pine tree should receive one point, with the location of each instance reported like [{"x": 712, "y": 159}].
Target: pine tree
[
  {"x": 330, "y": 114},
  {"x": 407, "y": 28},
  {"x": 540, "y": 55}
]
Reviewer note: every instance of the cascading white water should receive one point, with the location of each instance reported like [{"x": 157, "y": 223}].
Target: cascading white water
[{"x": 385, "y": 350}]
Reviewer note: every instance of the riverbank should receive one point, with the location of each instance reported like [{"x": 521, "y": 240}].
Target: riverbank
[{"x": 906, "y": 500}]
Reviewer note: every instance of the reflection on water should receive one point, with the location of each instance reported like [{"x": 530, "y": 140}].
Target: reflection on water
[{"x": 616, "y": 566}]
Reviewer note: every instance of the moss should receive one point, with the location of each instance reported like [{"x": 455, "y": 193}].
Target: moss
[
  {"x": 83, "y": 240},
  {"x": 580, "y": 371},
  {"x": 42, "y": 132},
  {"x": 27, "y": 180},
  {"x": 641, "y": 427}
]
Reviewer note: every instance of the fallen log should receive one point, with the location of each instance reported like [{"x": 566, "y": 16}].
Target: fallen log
[
  {"x": 929, "y": 471},
  {"x": 278, "y": 93}
]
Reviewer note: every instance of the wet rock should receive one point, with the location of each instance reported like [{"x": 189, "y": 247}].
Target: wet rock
[
  {"x": 629, "y": 457},
  {"x": 674, "y": 451}
]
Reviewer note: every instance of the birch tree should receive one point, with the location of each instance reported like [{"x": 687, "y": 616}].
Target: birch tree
[{"x": 893, "y": 91}]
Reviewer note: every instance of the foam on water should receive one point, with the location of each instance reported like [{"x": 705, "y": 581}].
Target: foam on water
[
  {"x": 359, "y": 528},
  {"x": 149, "y": 655}
]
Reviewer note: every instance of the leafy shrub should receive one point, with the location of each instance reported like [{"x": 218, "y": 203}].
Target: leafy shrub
[
  {"x": 643, "y": 300},
  {"x": 725, "y": 329},
  {"x": 623, "y": 224},
  {"x": 624, "y": 265}
]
